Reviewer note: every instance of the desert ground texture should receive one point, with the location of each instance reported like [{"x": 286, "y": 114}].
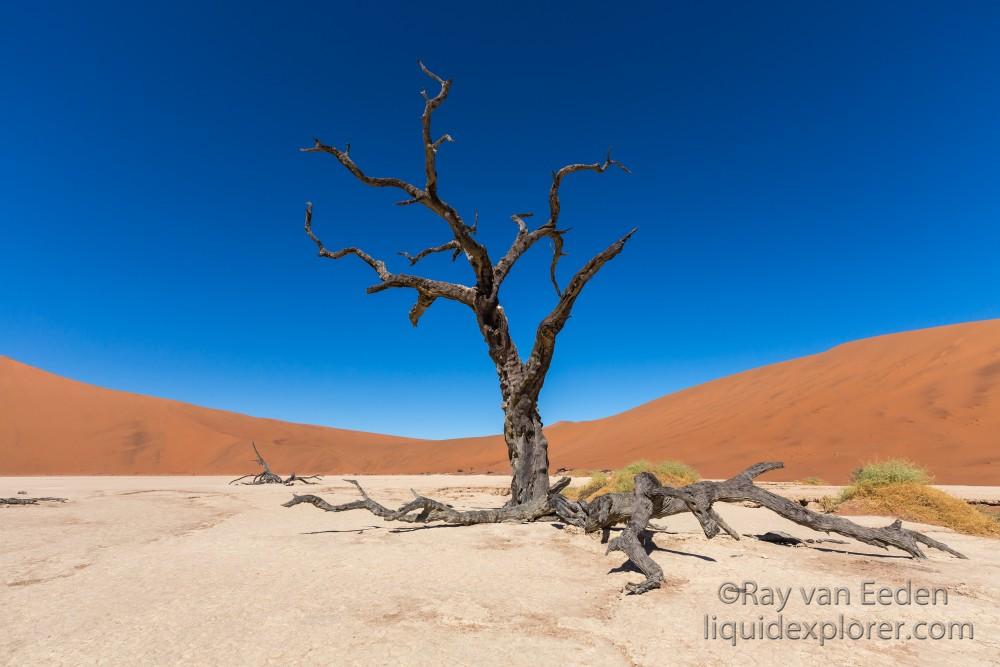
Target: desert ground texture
[{"x": 171, "y": 570}]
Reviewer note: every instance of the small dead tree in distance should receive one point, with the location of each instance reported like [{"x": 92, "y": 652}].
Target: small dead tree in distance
[
  {"x": 266, "y": 476},
  {"x": 521, "y": 382}
]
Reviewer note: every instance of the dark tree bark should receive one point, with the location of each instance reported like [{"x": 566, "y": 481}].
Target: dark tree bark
[
  {"x": 266, "y": 476},
  {"x": 520, "y": 379}
]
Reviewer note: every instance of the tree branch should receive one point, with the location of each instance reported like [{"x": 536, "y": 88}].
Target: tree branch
[
  {"x": 538, "y": 362},
  {"x": 424, "y": 301},
  {"x": 557, "y": 177},
  {"x": 428, "y": 289},
  {"x": 433, "y": 510},
  {"x": 525, "y": 239},
  {"x": 478, "y": 256},
  {"x": 430, "y": 145},
  {"x": 429, "y": 197},
  {"x": 343, "y": 156},
  {"x": 450, "y": 245}
]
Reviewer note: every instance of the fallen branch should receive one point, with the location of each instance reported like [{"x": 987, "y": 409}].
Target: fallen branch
[
  {"x": 651, "y": 500},
  {"x": 30, "y": 501}
]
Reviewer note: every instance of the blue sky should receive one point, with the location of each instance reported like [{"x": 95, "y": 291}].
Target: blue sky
[{"x": 803, "y": 174}]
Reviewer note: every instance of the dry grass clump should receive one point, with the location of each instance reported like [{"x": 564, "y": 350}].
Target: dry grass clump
[
  {"x": 891, "y": 471},
  {"x": 813, "y": 481},
  {"x": 900, "y": 488},
  {"x": 922, "y": 503},
  {"x": 670, "y": 473}
]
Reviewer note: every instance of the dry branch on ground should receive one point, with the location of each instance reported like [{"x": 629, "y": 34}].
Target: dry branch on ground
[{"x": 30, "y": 501}]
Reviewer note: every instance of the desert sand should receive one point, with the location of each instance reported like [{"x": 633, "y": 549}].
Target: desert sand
[
  {"x": 931, "y": 395},
  {"x": 171, "y": 570}
]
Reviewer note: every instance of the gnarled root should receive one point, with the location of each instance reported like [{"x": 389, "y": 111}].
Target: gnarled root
[
  {"x": 651, "y": 500},
  {"x": 425, "y": 510}
]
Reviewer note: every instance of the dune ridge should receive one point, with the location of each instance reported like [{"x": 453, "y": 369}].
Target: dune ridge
[{"x": 932, "y": 395}]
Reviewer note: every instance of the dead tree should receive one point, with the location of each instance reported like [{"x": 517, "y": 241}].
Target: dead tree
[
  {"x": 521, "y": 380},
  {"x": 268, "y": 477}
]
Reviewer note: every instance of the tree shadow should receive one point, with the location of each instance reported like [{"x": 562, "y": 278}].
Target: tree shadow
[
  {"x": 428, "y": 527},
  {"x": 349, "y": 530},
  {"x": 359, "y": 531},
  {"x": 847, "y": 552},
  {"x": 627, "y": 566},
  {"x": 687, "y": 553}
]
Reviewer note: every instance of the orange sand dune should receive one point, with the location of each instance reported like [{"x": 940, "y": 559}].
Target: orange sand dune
[
  {"x": 931, "y": 395},
  {"x": 52, "y": 425}
]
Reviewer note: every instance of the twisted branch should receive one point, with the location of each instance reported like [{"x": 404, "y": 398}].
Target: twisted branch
[
  {"x": 540, "y": 358},
  {"x": 444, "y": 247},
  {"x": 425, "y": 510},
  {"x": 428, "y": 289},
  {"x": 430, "y": 145},
  {"x": 428, "y": 196},
  {"x": 651, "y": 500},
  {"x": 557, "y": 177},
  {"x": 525, "y": 239}
]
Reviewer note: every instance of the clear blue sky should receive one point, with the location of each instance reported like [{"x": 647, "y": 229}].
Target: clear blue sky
[{"x": 804, "y": 174}]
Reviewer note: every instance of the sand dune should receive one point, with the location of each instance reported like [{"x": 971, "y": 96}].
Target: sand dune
[{"x": 931, "y": 395}]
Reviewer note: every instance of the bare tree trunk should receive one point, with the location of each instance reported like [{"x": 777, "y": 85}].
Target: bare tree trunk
[{"x": 528, "y": 451}]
